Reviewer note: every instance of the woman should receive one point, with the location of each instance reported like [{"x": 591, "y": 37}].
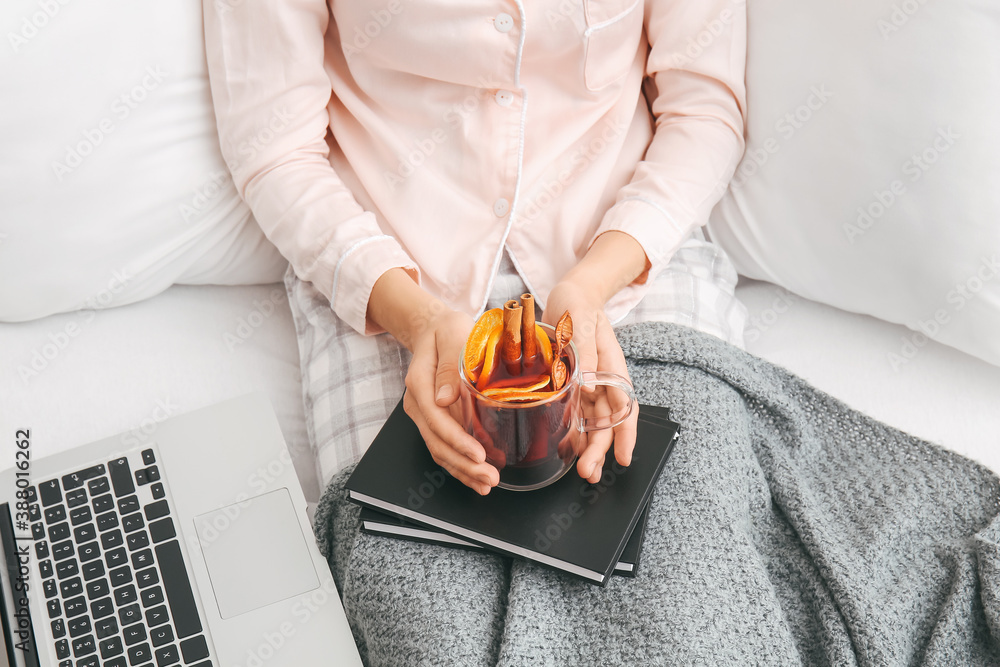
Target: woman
[{"x": 419, "y": 161}]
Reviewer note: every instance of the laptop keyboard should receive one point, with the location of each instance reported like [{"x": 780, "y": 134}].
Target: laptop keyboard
[{"x": 116, "y": 588}]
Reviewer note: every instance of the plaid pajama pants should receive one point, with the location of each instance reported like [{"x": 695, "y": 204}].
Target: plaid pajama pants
[{"x": 351, "y": 382}]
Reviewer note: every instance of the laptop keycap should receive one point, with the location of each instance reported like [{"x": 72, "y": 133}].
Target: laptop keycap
[
  {"x": 156, "y": 510},
  {"x": 168, "y": 655},
  {"x": 137, "y": 540},
  {"x": 98, "y": 589},
  {"x": 126, "y": 595},
  {"x": 89, "y": 551},
  {"x": 194, "y": 648},
  {"x": 161, "y": 635},
  {"x": 147, "y": 577},
  {"x": 80, "y": 515},
  {"x": 79, "y": 626},
  {"x": 130, "y": 614},
  {"x": 107, "y": 521},
  {"x": 67, "y": 568},
  {"x": 55, "y": 514},
  {"x": 99, "y": 486},
  {"x": 112, "y": 539},
  {"x": 75, "y": 606},
  {"x": 50, "y": 492},
  {"x": 120, "y": 576},
  {"x": 76, "y": 497},
  {"x": 85, "y": 533},
  {"x": 128, "y": 505},
  {"x": 92, "y": 570},
  {"x": 178, "y": 587},
  {"x": 116, "y": 557},
  {"x": 142, "y": 558},
  {"x": 84, "y": 646},
  {"x": 106, "y": 627},
  {"x": 104, "y": 503},
  {"x": 134, "y": 634},
  {"x": 62, "y": 550},
  {"x": 111, "y": 647},
  {"x": 151, "y": 596},
  {"x": 101, "y": 608},
  {"x": 162, "y": 530},
  {"x": 121, "y": 477},
  {"x": 58, "y": 532},
  {"x": 133, "y": 522},
  {"x": 139, "y": 654}
]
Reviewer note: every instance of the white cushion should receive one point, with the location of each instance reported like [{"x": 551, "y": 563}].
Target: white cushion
[
  {"x": 871, "y": 175},
  {"x": 938, "y": 394},
  {"x": 112, "y": 184},
  {"x": 78, "y": 377}
]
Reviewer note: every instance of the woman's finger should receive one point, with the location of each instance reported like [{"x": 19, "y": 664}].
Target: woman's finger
[
  {"x": 420, "y": 385},
  {"x": 598, "y": 442},
  {"x": 612, "y": 359},
  {"x": 480, "y": 477},
  {"x": 450, "y": 339}
]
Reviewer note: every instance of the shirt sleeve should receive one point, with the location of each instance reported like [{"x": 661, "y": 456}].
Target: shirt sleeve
[
  {"x": 271, "y": 90},
  {"x": 696, "y": 66}
]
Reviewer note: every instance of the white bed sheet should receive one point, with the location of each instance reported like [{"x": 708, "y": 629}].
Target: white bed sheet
[
  {"x": 884, "y": 370},
  {"x": 79, "y": 377}
]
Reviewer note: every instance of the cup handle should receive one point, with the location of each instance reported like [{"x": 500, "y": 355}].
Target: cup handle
[{"x": 607, "y": 379}]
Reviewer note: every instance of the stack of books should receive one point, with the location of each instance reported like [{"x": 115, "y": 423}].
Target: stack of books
[{"x": 589, "y": 530}]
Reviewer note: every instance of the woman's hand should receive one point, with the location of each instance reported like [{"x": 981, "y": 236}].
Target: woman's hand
[
  {"x": 435, "y": 334},
  {"x": 597, "y": 350},
  {"x": 613, "y": 261}
]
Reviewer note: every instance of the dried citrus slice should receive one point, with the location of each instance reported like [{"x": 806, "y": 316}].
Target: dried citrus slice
[
  {"x": 515, "y": 396},
  {"x": 490, "y": 358},
  {"x": 544, "y": 344},
  {"x": 475, "y": 346},
  {"x": 524, "y": 382},
  {"x": 537, "y": 382}
]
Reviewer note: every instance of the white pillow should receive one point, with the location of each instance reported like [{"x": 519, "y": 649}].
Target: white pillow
[
  {"x": 871, "y": 180},
  {"x": 112, "y": 184}
]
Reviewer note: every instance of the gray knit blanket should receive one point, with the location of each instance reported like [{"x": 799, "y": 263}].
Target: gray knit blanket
[{"x": 786, "y": 529}]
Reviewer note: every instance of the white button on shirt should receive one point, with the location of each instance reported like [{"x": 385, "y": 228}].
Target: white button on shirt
[
  {"x": 503, "y": 22},
  {"x": 501, "y": 207},
  {"x": 504, "y": 98}
]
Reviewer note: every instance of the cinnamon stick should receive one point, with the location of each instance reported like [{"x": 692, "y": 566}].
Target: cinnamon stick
[
  {"x": 529, "y": 343},
  {"x": 510, "y": 339}
]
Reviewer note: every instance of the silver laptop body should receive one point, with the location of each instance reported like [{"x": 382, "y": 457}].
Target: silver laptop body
[{"x": 192, "y": 548}]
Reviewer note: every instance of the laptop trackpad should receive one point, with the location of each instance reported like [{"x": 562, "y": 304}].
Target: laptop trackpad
[{"x": 256, "y": 553}]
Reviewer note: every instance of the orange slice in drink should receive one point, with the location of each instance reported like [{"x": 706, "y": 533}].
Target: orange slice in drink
[
  {"x": 478, "y": 342},
  {"x": 490, "y": 358},
  {"x": 515, "y": 396},
  {"x": 544, "y": 345},
  {"x": 505, "y": 387}
]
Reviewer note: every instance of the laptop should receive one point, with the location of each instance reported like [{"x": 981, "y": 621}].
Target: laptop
[{"x": 192, "y": 549}]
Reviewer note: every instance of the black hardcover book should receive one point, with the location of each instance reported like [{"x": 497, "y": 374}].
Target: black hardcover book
[
  {"x": 570, "y": 525},
  {"x": 375, "y": 522}
]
